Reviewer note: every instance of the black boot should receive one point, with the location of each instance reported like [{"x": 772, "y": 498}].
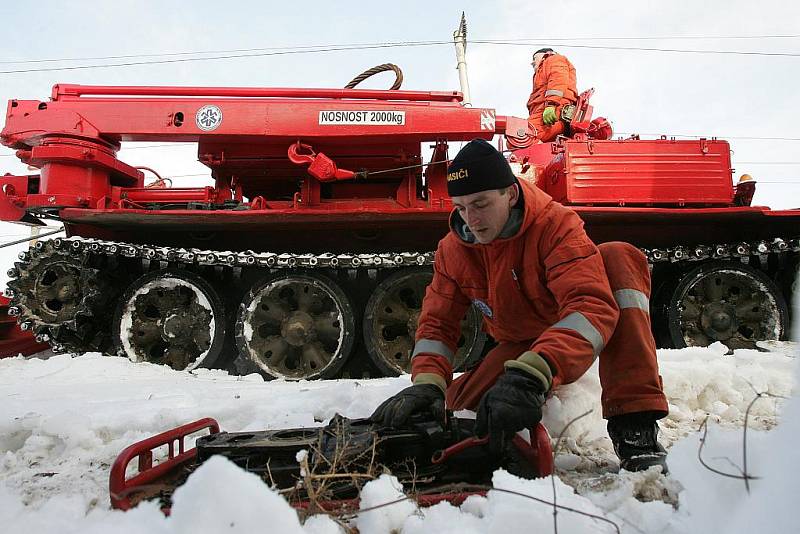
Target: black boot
[{"x": 634, "y": 438}]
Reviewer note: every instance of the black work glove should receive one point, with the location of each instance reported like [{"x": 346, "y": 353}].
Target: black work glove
[
  {"x": 396, "y": 410},
  {"x": 512, "y": 404}
]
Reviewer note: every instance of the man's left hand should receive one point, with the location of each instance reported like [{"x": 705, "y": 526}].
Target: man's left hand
[
  {"x": 512, "y": 404},
  {"x": 549, "y": 115}
]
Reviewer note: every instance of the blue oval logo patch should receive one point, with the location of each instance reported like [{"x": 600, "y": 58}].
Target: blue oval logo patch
[{"x": 483, "y": 307}]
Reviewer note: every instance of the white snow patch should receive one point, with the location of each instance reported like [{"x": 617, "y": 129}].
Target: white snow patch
[
  {"x": 386, "y": 518},
  {"x": 65, "y": 419},
  {"x": 221, "y": 497}
]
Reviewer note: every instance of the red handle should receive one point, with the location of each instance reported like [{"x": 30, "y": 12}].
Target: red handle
[
  {"x": 442, "y": 455},
  {"x": 121, "y": 487}
]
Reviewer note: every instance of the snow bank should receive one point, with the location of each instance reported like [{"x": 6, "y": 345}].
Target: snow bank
[
  {"x": 241, "y": 502},
  {"x": 698, "y": 382},
  {"x": 390, "y": 518},
  {"x": 64, "y": 420}
]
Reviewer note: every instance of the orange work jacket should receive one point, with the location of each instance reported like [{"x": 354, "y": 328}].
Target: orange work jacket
[
  {"x": 554, "y": 83},
  {"x": 545, "y": 284}
]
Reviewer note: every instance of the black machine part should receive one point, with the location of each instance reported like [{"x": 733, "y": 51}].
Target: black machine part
[{"x": 413, "y": 454}]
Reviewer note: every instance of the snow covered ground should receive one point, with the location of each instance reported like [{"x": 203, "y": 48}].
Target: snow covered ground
[{"x": 64, "y": 419}]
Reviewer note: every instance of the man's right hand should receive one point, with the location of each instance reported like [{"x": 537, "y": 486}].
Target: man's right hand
[
  {"x": 549, "y": 115},
  {"x": 396, "y": 410}
]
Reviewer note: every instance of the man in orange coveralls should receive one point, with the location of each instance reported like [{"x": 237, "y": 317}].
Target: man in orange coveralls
[
  {"x": 551, "y": 299},
  {"x": 554, "y": 86}
]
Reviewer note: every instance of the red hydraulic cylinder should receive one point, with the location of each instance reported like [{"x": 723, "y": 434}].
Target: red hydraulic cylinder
[
  {"x": 170, "y": 194},
  {"x": 61, "y": 91}
]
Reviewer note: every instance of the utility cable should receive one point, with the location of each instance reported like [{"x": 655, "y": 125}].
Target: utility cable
[
  {"x": 229, "y": 56},
  {"x": 406, "y": 43},
  {"x": 659, "y": 38},
  {"x": 643, "y": 49},
  {"x": 32, "y": 238},
  {"x": 229, "y": 51},
  {"x": 388, "y": 45}
]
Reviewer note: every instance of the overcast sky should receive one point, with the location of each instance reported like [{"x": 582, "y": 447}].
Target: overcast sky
[{"x": 734, "y": 96}]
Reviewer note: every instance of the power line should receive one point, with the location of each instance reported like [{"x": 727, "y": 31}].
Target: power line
[
  {"x": 229, "y": 51},
  {"x": 665, "y": 38},
  {"x": 528, "y": 42},
  {"x": 407, "y": 43},
  {"x": 337, "y": 48},
  {"x": 229, "y": 56}
]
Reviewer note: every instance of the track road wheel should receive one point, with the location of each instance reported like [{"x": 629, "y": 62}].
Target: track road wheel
[
  {"x": 390, "y": 324},
  {"x": 172, "y": 318},
  {"x": 297, "y": 326},
  {"x": 728, "y": 302}
]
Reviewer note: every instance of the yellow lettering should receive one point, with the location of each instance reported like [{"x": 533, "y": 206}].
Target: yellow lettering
[{"x": 457, "y": 175}]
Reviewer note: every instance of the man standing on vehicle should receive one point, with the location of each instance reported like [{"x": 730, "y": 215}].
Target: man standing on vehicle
[
  {"x": 554, "y": 85},
  {"x": 551, "y": 299}
]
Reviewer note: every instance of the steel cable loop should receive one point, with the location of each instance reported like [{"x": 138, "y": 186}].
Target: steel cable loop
[{"x": 375, "y": 70}]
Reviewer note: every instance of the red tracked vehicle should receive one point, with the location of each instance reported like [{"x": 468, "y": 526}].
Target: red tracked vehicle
[{"x": 313, "y": 247}]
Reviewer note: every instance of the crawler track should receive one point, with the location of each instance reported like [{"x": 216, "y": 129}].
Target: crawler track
[{"x": 68, "y": 291}]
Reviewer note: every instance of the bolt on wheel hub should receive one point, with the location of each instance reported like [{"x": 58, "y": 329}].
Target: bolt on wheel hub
[
  {"x": 297, "y": 329},
  {"x": 174, "y": 326},
  {"x": 719, "y": 320}
]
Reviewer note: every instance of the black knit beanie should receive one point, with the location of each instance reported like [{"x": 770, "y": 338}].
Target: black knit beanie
[{"x": 478, "y": 166}]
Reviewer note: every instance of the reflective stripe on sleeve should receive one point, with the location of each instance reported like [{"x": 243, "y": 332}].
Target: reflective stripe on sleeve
[
  {"x": 632, "y": 298},
  {"x": 554, "y": 92},
  {"x": 432, "y": 346},
  {"x": 580, "y": 324}
]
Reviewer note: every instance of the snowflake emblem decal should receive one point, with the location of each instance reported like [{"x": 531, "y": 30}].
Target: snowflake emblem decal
[{"x": 208, "y": 118}]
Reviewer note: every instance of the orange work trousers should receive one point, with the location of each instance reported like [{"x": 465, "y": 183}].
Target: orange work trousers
[
  {"x": 544, "y": 133},
  {"x": 628, "y": 364}
]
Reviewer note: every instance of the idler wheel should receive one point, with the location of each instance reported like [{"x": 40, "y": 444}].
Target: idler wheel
[
  {"x": 728, "y": 302},
  {"x": 390, "y": 323},
  {"x": 295, "y": 326},
  {"x": 172, "y": 318}
]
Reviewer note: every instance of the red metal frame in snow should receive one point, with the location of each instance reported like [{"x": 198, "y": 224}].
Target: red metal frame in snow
[
  {"x": 538, "y": 452},
  {"x": 121, "y": 488}
]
